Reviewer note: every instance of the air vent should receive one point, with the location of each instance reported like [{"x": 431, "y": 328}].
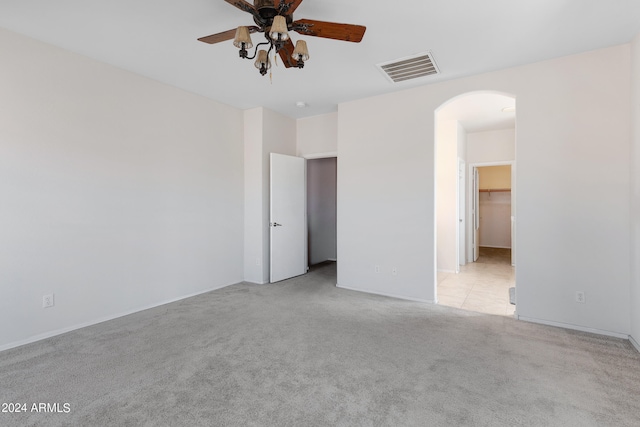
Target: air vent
[{"x": 412, "y": 67}]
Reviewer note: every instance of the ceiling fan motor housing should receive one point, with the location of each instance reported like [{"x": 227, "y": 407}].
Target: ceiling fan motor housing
[{"x": 267, "y": 10}]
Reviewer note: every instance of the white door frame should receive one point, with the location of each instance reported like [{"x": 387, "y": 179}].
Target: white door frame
[
  {"x": 461, "y": 215},
  {"x": 306, "y": 255},
  {"x": 470, "y": 195},
  {"x": 326, "y": 155}
]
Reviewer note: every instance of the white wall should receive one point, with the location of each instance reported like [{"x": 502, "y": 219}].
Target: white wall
[
  {"x": 321, "y": 209},
  {"x": 265, "y": 132},
  {"x": 635, "y": 194},
  {"x": 386, "y": 196},
  {"x": 573, "y": 188},
  {"x": 462, "y": 142},
  {"x": 317, "y": 135},
  {"x": 118, "y": 193},
  {"x": 447, "y": 142},
  {"x": 491, "y": 146},
  {"x": 254, "y": 257}
]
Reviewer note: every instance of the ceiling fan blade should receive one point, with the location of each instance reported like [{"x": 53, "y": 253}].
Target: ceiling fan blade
[
  {"x": 285, "y": 53},
  {"x": 287, "y": 7},
  {"x": 224, "y": 36},
  {"x": 329, "y": 30},
  {"x": 245, "y": 7},
  {"x": 220, "y": 37}
]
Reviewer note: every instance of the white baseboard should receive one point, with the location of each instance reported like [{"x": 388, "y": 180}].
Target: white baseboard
[
  {"x": 384, "y": 294},
  {"x": 634, "y": 343},
  {"x": 61, "y": 331},
  {"x": 495, "y": 247},
  {"x": 575, "y": 327},
  {"x": 448, "y": 271}
]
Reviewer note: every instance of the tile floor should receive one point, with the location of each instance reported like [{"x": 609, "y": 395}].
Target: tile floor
[{"x": 481, "y": 286}]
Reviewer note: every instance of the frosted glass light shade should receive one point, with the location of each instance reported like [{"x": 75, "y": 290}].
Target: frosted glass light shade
[
  {"x": 300, "y": 53},
  {"x": 243, "y": 36},
  {"x": 263, "y": 59},
  {"x": 279, "y": 28}
]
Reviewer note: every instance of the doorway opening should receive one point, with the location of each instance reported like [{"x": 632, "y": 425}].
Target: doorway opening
[
  {"x": 322, "y": 210},
  {"x": 492, "y": 211},
  {"x": 475, "y": 202},
  {"x": 303, "y": 214}
]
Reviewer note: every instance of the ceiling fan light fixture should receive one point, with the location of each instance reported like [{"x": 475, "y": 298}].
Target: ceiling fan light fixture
[
  {"x": 300, "y": 53},
  {"x": 243, "y": 36},
  {"x": 243, "y": 41},
  {"x": 274, "y": 18},
  {"x": 262, "y": 62},
  {"x": 279, "y": 31}
]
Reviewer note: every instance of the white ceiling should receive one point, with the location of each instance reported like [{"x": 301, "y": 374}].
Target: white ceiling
[{"x": 157, "y": 38}]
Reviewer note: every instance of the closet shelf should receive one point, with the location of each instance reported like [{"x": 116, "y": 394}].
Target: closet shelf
[{"x": 483, "y": 190}]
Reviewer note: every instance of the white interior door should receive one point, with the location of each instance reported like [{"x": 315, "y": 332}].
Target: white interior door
[{"x": 287, "y": 217}]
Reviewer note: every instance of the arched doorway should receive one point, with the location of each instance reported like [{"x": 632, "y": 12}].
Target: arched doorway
[{"x": 473, "y": 131}]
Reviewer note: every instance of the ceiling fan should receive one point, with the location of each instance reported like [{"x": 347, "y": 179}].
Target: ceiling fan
[{"x": 274, "y": 18}]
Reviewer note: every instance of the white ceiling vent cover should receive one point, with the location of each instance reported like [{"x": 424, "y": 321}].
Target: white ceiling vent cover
[{"x": 411, "y": 67}]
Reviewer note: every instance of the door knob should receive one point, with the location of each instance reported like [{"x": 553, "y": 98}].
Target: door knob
[{"x": 275, "y": 224}]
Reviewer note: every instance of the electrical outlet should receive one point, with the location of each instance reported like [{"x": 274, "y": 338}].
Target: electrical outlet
[
  {"x": 376, "y": 269},
  {"x": 394, "y": 271},
  {"x": 47, "y": 301},
  {"x": 580, "y": 297}
]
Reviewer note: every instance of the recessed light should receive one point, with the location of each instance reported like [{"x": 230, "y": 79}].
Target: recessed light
[
  {"x": 509, "y": 110},
  {"x": 301, "y": 104}
]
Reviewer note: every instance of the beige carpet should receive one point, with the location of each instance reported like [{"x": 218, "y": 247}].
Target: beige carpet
[{"x": 305, "y": 353}]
